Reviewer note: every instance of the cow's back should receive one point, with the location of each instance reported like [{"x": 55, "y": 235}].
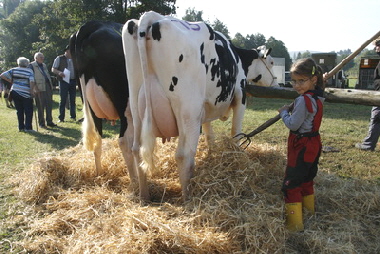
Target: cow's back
[
  {"x": 200, "y": 71},
  {"x": 99, "y": 55}
]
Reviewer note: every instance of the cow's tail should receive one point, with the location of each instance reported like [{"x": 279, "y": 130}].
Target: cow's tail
[
  {"x": 91, "y": 138},
  {"x": 147, "y": 137}
]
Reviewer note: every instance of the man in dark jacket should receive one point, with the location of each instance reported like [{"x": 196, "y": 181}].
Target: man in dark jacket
[{"x": 370, "y": 141}]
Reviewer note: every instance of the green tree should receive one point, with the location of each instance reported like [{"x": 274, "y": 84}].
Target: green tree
[
  {"x": 250, "y": 41},
  {"x": 19, "y": 33},
  {"x": 239, "y": 40},
  {"x": 279, "y": 50},
  {"x": 47, "y": 25},
  {"x": 219, "y": 26},
  {"x": 254, "y": 41},
  {"x": 342, "y": 54},
  {"x": 7, "y": 7},
  {"x": 192, "y": 15},
  {"x": 134, "y": 9},
  {"x": 305, "y": 54}
]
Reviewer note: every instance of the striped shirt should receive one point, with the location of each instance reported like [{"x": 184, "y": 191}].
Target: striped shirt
[{"x": 21, "y": 78}]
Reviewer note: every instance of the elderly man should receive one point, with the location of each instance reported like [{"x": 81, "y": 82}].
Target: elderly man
[
  {"x": 43, "y": 90},
  {"x": 22, "y": 80}
]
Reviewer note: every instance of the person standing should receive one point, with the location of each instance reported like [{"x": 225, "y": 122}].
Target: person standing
[
  {"x": 66, "y": 89},
  {"x": 44, "y": 90},
  {"x": 303, "y": 118},
  {"x": 22, "y": 92},
  {"x": 370, "y": 141}
]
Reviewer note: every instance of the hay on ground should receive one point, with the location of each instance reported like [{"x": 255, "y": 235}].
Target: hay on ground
[{"x": 236, "y": 206}]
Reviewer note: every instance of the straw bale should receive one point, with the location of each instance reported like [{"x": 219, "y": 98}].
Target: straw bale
[{"x": 236, "y": 205}]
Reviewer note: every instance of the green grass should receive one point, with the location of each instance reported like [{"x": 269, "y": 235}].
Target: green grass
[
  {"x": 18, "y": 146},
  {"x": 19, "y": 149},
  {"x": 343, "y": 125}
]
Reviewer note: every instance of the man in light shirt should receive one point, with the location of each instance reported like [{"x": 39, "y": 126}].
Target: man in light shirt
[{"x": 64, "y": 64}]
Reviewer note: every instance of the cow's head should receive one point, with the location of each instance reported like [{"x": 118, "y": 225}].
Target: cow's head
[{"x": 260, "y": 72}]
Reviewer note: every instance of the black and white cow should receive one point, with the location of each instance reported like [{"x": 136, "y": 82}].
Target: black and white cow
[
  {"x": 6, "y": 87},
  {"x": 183, "y": 75},
  {"x": 98, "y": 58}
]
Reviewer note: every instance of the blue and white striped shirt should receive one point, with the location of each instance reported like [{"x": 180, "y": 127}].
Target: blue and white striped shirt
[{"x": 21, "y": 77}]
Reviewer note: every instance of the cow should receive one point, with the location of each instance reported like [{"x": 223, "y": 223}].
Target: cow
[
  {"x": 5, "y": 86},
  {"x": 99, "y": 64},
  {"x": 183, "y": 75}
]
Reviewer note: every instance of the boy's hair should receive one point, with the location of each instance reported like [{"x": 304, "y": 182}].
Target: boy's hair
[{"x": 308, "y": 67}]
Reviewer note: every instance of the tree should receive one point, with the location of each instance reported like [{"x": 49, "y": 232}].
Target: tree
[
  {"x": 305, "y": 54},
  {"x": 250, "y": 41},
  {"x": 239, "y": 40},
  {"x": 8, "y": 7},
  {"x": 279, "y": 50},
  {"x": 342, "y": 54},
  {"x": 192, "y": 15},
  {"x": 19, "y": 33},
  {"x": 48, "y": 25},
  {"x": 219, "y": 26}
]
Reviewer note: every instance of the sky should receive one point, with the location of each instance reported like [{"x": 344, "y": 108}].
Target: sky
[{"x": 322, "y": 25}]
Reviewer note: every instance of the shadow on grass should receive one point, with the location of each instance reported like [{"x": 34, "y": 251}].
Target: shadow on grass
[
  {"x": 61, "y": 136},
  {"x": 67, "y": 137}
]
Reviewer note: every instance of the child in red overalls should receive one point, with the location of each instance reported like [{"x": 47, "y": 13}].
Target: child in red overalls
[{"x": 304, "y": 142}]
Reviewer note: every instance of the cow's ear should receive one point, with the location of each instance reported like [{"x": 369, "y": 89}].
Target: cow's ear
[
  {"x": 261, "y": 50},
  {"x": 268, "y": 52}
]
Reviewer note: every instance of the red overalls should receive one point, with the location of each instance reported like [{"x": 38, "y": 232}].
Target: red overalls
[{"x": 304, "y": 150}]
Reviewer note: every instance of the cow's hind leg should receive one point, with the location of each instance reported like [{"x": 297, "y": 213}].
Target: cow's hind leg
[
  {"x": 125, "y": 144},
  {"x": 98, "y": 144},
  {"x": 209, "y": 133},
  {"x": 185, "y": 154}
]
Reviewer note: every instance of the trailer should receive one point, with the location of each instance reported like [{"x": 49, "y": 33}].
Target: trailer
[
  {"x": 328, "y": 61},
  {"x": 366, "y": 72},
  {"x": 279, "y": 70}
]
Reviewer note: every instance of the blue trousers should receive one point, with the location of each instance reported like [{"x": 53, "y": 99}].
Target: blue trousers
[
  {"x": 24, "y": 108},
  {"x": 65, "y": 90}
]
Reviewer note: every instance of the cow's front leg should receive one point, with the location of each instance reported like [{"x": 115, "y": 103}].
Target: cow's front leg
[
  {"x": 238, "y": 113},
  {"x": 209, "y": 133},
  {"x": 126, "y": 150}
]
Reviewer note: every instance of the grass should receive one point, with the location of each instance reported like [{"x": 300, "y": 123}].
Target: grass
[
  {"x": 18, "y": 146},
  {"x": 18, "y": 149},
  {"x": 343, "y": 126}
]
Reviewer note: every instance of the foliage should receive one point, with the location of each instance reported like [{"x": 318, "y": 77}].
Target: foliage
[
  {"x": 342, "y": 54},
  {"x": 28, "y": 26},
  {"x": 279, "y": 50},
  {"x": 192, "y": 15},
  {"x": 250, "y": 41},
  {"x": 18, "y": 33},
  {"x": 219, "y": 26},
  {"x": 46, "y": 26},
  {"x": 7, "y": 7}
]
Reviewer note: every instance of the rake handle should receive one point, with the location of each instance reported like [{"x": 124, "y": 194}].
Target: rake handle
[{"x": 265, "y": 125}]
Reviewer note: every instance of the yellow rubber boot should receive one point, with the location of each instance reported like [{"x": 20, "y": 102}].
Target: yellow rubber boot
[
  {"x": 294, "y": 221},
  {"x": 308, "y": 203}
]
